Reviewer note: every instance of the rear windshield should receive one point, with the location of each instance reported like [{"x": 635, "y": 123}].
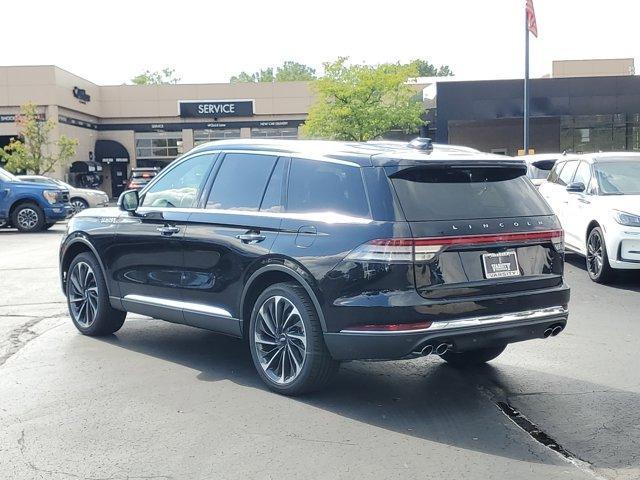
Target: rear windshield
[{"x": 466, "y": 193}]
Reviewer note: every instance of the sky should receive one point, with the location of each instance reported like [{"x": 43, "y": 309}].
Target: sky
[{"x": 110, "y": 41}]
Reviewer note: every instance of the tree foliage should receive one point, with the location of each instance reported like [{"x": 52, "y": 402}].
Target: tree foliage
[
  {"x": 362, "y": 102},
  {"x": 289, "y": 71},
  {"x": 166, "y": 76},
  {"x": 426, "y": 69},
  {"x": 34, "y": 152}
]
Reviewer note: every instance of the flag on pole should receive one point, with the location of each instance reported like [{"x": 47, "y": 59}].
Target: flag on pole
[{"x": 532, "y": 25}]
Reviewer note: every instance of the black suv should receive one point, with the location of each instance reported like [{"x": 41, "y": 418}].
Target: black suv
[{"x": 318, "y": 252}]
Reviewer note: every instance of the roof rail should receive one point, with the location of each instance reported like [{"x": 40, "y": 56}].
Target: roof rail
[{"x": 421, "y": 143}]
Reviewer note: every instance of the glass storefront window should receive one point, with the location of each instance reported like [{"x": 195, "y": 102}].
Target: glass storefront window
[
  {"x": 208, "y": 135},
  {"x": 161, "y": 146},
  {"x": 594, "y": 133},
  {"x": 278, "y": 132}
]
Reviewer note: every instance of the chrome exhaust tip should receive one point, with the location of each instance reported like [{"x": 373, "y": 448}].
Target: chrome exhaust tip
[
  {"x": 547, "y": 333},
  {"x": 427, "y": 350},
  {"x": 442, "y": 348},
  {"x": 556, "y": 330}
]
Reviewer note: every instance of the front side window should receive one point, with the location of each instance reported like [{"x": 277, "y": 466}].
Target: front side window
[
  {"x": 567, "y": 173},
  {"x": 241, "y": 181},
  {"x": 179, "y": 187},
  {"x": 316, "y": 186},
  {"x": 583, "y": 174}
]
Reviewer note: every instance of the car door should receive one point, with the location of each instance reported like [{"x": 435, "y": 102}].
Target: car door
[
  {"x": 148, "y": 258},
  {"x": 578, "y": 209},
  {"x": 235, "y": 230}
]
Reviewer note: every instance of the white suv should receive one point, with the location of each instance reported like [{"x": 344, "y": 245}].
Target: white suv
[{"x": 597, "y": 199}]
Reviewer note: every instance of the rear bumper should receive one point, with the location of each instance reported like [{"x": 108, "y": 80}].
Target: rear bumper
[{"x": 462, "y": 334}]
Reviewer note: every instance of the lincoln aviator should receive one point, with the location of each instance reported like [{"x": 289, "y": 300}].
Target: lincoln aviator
[{"x": 318, "y": 252}]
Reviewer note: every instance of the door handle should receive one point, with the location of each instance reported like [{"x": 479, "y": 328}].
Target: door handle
[
  {"x": 251, "y": 237},
  {"x": 168, "y": 230}
]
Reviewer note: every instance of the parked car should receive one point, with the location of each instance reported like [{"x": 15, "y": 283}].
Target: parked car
[
  {"x": 79, "y": 198},
  {"x": 319, "y": 252},
  {"x": 141, "y": 176},
  {"x": 31, "y": 207},
  {"x": 597, "y": 199},
  {"x": 539, "y": 166}
]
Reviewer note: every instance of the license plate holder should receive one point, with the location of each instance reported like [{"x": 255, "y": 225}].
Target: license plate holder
[{"x": 500, "y": 265}]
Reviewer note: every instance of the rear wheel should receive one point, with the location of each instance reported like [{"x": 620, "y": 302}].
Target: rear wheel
[
  {"x": 597, "y": 259},
  {"x": 472, "y": 357},
  {"x": 286, "y": 341},
  {"x": 88, "y": 300},
  {"x": 28, "y": 217}
]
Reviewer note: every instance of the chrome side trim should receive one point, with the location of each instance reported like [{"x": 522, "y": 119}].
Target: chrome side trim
[
  {"x": 527, "y": 315},
  {"x": 178, "y": 305},
  {"x": 323, "y": 217}
]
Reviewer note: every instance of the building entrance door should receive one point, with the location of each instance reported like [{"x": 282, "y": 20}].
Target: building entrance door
[
  {"x": 115, "y": 158},
  {"x": 118, "y": 178}
]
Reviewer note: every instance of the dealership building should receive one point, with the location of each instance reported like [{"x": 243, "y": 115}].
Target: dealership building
[
  {"x": 123, "y": 126},
  {"x": 583, "y": 106}
]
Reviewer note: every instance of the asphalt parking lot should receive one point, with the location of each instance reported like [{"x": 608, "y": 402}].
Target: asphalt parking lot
[{"x": 165, "y": 401}]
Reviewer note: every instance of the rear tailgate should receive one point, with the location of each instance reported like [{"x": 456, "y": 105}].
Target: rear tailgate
[{"x": 478, "y": 230}]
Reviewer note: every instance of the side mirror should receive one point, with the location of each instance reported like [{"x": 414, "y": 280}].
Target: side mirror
[
  {"x": 129, "y": 201},
  {"x": 576, "y": 187}
]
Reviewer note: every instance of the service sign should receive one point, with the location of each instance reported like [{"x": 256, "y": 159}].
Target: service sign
[{"x": 216, "y": 108}]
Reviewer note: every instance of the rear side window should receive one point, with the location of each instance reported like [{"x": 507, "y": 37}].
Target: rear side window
[
  {"x": 316, "y": 186},
  {"x": 272, "y": 200},
  {"x": 555, "y": 171},
  {"x": 241, "y": 181},
  {"x": 466, "y": 193}
]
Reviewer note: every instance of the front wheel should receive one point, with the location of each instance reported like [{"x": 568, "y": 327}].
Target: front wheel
[
  {"x": 472, "y": 357},
  {"x": 597, "y": 259},
  {"x": 28, "y": 218},
  {"x": 88, "y": 299},
  {"x": 78, "y": 204},
  {"x": 286, "y": 341}
]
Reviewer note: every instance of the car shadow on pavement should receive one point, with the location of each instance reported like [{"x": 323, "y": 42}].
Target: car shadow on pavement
[
  {"x": 624, "y": 279},
  {"x": 423, "y": 398}
]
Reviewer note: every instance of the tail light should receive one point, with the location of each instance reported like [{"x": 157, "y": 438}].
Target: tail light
[{"x": 408, "y": 250}]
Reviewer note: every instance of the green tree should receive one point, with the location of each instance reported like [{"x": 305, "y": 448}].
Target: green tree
[
  {"x": 166, "y": 76},
  {"x": 264, "y": 75},
  {"x": 426, "y": 69},
  {"x": 291, "y": 71},
  {"x": 287, "y": 72},
  {"x": 33, "y": 151},
  {"x": 362, "y": 102}
]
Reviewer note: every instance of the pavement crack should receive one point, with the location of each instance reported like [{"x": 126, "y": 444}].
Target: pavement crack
[
  {"x": 545, "y": 439},
  {"x": 21, "y": 336}
]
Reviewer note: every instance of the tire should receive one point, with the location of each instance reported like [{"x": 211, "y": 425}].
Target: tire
[
  {"x": 78, "y": 204},
  {"x": 472, "y": 357},
  {"x": 97, "y": 318},
  {"x": 297, "y": 366},
  {"x": 597, "y": 260},
  {"x": 28, "y": 217}
]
